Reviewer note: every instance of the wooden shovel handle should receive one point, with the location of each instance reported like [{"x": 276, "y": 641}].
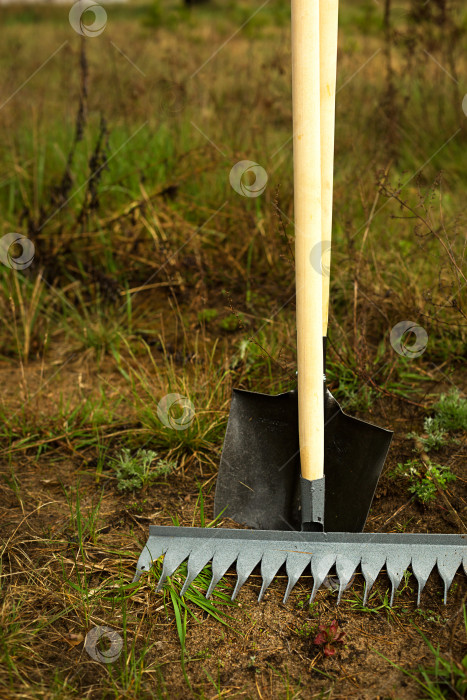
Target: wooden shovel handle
[
  {"x": 328, "y": 30},
  {"x": 307, "y": 214}
]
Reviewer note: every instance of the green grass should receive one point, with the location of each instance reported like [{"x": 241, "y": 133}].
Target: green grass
[{"x": 446, "y": 678}]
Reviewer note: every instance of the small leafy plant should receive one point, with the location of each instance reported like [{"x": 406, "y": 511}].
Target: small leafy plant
[
  {"x": 328, "y": 636},
  {"x": 306, "y": 630},
  {"x": 450, "y": 415},
  {"x": 451, "y": 411},
  {"x": 137, "y": 470},
  {"x": 424, "y": 482},
  {"x": 434, "y": 436}
]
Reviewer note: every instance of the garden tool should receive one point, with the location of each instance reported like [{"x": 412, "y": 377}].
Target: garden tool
[
  {"x": 310, "y": 549},
  {"x": 259, "y": 472}
]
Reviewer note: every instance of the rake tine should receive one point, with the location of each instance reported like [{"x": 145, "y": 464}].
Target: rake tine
[
  {"x": 320, "y": 565},
  {"x": 196, "y": 563},
  {"x": 221, "y": 561},
  {"x": 448, "y": 563},
  {"x": 270, "y": 565},
  {"x": 246, "y": 562},
  {"x": 295, "y": 565},
  {"x": 422, "y": 568},
  {"x": 172, "y": 560},
  {"x": 396, "y": 564},
  {"x": 345, "y": 567},
  {"x": 372, "y": 563},
  {"x": 152, "y": 551}
]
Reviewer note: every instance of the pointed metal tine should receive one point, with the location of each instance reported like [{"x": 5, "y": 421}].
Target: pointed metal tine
[
  {"x": 422, "y": 566},
  {"x": 154, "y": 548},
  {"x": 295, "y": 565},
  {"x": 246, "y": 562},
  {"x": 373, "y": 560},
  {"x": 396, "y": 563},
  {"x": 221, "y": 561},
  {"x": 320, "y": 565},
  {"x": 270, "y": 564},
  {"x": 175, "y": 555},
  {"x": 196, "y": 562},
  {"x": 345, "y": 567},
  {"x": 448, "y": 563}
]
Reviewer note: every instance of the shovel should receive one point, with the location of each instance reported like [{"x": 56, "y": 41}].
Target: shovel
[
  {"x": 259, "y": 473},
  {"x": 311, "y": 549}
]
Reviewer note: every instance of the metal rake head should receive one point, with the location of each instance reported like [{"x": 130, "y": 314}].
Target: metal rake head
[{"x": 298, "y": 552}]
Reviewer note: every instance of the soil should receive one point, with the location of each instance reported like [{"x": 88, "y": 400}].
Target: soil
[{"x": 267, "y": 650}]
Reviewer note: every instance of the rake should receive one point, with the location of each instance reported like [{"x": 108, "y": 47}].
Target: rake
[
  {"x": 312, "y": 549},
  {"x": 301, "y": 552}
]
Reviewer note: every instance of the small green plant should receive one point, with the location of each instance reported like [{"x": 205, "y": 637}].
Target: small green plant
[
  {"x": 450, "y": 415},
  {"x": 433, "y": 436},
  {"x": 137, "y": 470},
  {"x": 424, "y": 482},
  {"x": 451, "y": 411},
  {"x": 306, "y": 630},
  {"x": 429, "y": 615}
]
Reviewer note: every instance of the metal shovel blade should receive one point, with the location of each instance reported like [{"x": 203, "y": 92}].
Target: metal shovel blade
[{"x": 259, "y": 472}]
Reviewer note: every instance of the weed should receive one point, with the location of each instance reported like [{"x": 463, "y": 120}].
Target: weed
[
  {"x": 451, "y": 411},
  {"x": 134, "y": 471},
  {"x": 450, "y": 415},
  {"x": 429, "y": 615},
  {"x": 377, "y": 603},
  {"x": 328, "y": 636},
  {"x": 434, "y": 436},
  {"x": 424, "y": 483},
  {"x": 306, "y": 630}
]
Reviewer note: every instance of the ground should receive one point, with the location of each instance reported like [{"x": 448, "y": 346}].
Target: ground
[{"x": 152, "y": 276}]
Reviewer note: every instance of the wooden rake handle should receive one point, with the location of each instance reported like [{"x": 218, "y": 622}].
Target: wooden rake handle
[{"x": 311, "y": 211}]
